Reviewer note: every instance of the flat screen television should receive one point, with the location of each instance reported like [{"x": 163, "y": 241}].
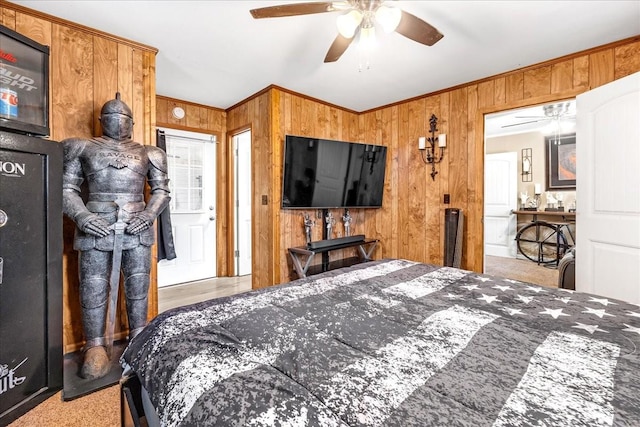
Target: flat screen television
[{"x": 324, "y": 174}]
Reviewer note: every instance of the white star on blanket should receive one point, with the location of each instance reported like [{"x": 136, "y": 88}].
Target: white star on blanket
[
  {"x": 602, "y": 301},
  {"x": 553, "y": 313},
  {"x": 515, "y": 298},
  {"x": 589, "y": 328},
  {"x": 600, "y": 313}
]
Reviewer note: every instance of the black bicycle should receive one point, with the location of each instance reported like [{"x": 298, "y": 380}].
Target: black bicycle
[{"x": 544, "y": 242}]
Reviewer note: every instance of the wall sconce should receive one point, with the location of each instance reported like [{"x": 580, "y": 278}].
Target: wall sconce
[
  {"x": 527, "y": 165},
  {"x": 429, "y": 153}
]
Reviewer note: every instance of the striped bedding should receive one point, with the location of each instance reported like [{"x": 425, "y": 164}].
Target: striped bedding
[{"x": 394, "y": 343}]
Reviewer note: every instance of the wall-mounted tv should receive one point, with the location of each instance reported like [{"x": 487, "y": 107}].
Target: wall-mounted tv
[{"x": 323, "y": 174}]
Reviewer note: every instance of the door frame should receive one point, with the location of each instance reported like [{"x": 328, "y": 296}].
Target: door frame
[
  {"x": 231, "y": 211},
  {"x": 214, "y": 139},
  {"x": 481, "y": 114}
]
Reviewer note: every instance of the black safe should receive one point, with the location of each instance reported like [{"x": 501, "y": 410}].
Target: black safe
[{"x": 30, "y": 272}]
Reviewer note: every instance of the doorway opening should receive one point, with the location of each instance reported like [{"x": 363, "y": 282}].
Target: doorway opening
[
  {"x": 191, "y": 159},
  {"x": 241, "y": 143},
  {"x": 516, "y": 177}
]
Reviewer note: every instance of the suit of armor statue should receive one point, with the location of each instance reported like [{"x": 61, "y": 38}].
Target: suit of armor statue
[{"x": 114, "y": 225}]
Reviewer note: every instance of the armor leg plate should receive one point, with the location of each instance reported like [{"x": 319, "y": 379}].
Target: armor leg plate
[{"x": 136, "y": 266}]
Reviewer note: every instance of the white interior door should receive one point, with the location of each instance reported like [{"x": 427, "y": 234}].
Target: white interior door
[
  {"x": 608, "y": 190},
  {"x": 191, "y": 159},
  {"x": 242, "y": 196},
  {"x": 500, "y": 198}
]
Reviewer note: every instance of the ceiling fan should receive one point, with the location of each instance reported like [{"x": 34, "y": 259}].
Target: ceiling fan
[
  {"x": 553, "y": 113},
  {"x": 359, "y": 17}
]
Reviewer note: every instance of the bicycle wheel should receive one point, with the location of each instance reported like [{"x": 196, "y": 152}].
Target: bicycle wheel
[{"x": 539, "y": 242}]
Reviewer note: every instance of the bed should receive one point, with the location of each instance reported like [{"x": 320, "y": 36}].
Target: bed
[{"x": 392, "y": 343}]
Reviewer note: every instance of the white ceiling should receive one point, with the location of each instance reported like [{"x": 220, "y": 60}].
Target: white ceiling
[{"x": 214, "y": 53}]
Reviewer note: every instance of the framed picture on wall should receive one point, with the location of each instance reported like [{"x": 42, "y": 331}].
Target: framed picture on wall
[{"x": 561, "y": 161}]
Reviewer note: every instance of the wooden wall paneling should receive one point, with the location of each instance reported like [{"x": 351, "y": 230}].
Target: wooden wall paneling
[
  {"x": 444, "y": 106},
  {"x": 514, "y": 86},
  {"x": 138, "y": 99},
  {"x": 162, "y": 111},
  {"x": 8, "y": 18},
  {"x": 537, "y": 82},
  {"x": 418, "y": 180},
  {"x": 262, "y": 250},
  {"x": 581, "y": 74},
  {"x": 105, "y": 85},
  {"x": 500, "y": 85},
  {"x": 72, "y": 94},
  {"x": 387, "y": 222},
  {"x": 402, "y": 188},
  {"x": 34, "y": 28},
  {"x": 601, "y": 70},
  {"x": 224, "y": 189},
  {"x": 196, "y": 117},
  {"x": 627, "y": 59},
  {"x": 289, "y": 225},
  {"x": 562, "y": 76},
  {"x": 149, "y": 93},
  {"x": 432, "y": 203},
  {"x": 457, "y": 142},
  {"x": 486, "y": 93},
  {"x": 280, "y": 272},
  {"x": 473, "y": 256}
]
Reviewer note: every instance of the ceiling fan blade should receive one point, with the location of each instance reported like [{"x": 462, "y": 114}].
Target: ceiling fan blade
[
  {"x": 523, "y": 123},
  {"x": 338, "y": 47},
  {"x": 416, "y": 29},
  {"x": 292, "y": 9}
]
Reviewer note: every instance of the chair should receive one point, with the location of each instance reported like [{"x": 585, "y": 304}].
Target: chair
[{"x": 567, "y": 270}]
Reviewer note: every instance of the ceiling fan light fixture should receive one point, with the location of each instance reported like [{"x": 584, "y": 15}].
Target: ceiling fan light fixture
[
  {"x": 367, "y": 39},
  {"x": 388, "y": 18},
  {"x": 348, "y": 23}
]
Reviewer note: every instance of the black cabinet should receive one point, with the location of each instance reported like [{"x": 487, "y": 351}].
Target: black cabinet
[{"x": 30, "y": 272}]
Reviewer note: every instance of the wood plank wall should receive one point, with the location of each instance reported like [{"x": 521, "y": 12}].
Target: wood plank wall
[
  {"x": 87, "y": 68},
  {"x": 411, "y": 222}
]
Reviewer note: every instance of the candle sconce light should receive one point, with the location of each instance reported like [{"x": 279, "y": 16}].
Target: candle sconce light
[
  {"x": 428, "y": 153},
  {"x": 527, "y": 165}
]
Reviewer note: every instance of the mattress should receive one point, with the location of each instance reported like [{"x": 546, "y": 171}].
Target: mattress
[{"x": 393, "y": 343}]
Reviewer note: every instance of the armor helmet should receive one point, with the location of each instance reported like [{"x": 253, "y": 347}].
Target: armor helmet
[
  {"x": 116, "y": 119},
  {"x": 116, "y": 106}
]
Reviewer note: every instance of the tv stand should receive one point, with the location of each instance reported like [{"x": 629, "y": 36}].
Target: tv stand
[{"x": 365, "y": 249}]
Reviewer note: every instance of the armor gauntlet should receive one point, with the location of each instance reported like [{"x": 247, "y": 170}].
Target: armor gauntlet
[
  {"x": 159, "y": 182},
  {"x": 72, "y": 204}
]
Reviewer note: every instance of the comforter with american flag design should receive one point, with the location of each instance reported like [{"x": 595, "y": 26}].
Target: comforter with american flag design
[{"x": 394, "y": 343}]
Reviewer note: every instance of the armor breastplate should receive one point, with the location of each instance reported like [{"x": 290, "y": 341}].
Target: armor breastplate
[{"x": 112, "y": 167}]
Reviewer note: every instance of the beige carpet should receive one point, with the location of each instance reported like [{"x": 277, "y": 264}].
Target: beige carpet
[
  {"x": 522, "y": 270},
  {"x": 98, "y": 409}
]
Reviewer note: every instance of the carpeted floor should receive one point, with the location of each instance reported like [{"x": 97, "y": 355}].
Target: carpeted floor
[
  {"x": 522, "y": 270},
  {"x": 98, "y": 409},
  {"x": 102, "y": 408}
]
